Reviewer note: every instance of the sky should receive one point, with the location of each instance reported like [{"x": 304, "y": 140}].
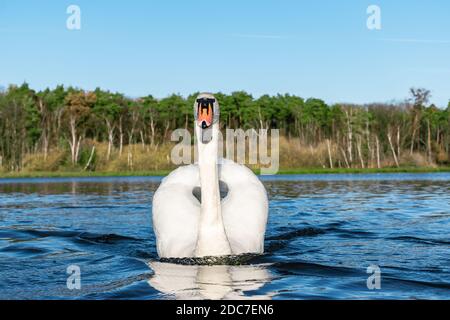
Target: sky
[{"x": 319, "y": 48}]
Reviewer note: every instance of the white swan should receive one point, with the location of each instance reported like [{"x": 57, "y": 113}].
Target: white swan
[{"x": 189, "y": 217}]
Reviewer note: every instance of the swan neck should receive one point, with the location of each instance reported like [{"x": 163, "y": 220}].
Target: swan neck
[
  {"x": 209, "y": 179},
  {"x": 212, "y": 238}
]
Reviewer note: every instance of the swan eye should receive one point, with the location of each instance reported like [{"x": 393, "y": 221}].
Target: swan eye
[{"x": 205, "y": 112}]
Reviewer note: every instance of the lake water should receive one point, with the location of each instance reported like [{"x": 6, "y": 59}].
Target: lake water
[{"x": 324, "y": 231}]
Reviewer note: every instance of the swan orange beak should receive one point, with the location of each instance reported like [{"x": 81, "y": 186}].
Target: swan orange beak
[{"x": 205, "y": 115}]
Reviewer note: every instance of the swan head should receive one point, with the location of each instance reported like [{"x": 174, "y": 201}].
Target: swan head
[{"x": 206, "y": 110}]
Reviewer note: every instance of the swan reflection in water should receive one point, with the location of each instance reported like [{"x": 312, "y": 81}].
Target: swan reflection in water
[{"x": 209, "y": 282}]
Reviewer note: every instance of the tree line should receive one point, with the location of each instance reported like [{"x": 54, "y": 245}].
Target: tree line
[{"x": 71, "y": 119}]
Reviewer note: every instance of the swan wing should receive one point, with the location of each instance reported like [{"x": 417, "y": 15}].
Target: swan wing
[
  {"x": 176, "y": 213},
  {"x": 244, "y": 209}
]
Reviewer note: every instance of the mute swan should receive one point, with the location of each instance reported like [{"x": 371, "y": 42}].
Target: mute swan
[{"x": 189, "y": 217}]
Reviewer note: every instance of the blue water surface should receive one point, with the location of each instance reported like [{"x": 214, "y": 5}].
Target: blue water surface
[{"x": 324, "y": 231}]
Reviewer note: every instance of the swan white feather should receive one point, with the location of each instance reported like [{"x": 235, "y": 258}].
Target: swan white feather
[{"x": 177, "y": 214}]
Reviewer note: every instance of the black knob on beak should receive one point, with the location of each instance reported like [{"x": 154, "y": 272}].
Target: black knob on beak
[{"x": 204, "y": 125}]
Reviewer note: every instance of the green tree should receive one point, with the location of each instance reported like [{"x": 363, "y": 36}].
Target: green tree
[
  {"x": 77, "y": 110},
  {"x": 107, "y": 108}
]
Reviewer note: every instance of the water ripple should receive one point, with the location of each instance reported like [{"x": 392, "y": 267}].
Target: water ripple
[{"x": 323, "y": 233}]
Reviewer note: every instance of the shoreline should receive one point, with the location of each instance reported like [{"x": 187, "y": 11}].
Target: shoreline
[{"x": 299, "y": 171}]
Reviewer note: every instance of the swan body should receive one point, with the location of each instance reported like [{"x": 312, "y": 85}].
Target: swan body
[
  {"x": 189, "y": 225},
  {"x": 176, "y": 211}
]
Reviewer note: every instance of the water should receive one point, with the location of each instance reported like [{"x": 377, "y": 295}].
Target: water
[{"x": 323, "y": 233}]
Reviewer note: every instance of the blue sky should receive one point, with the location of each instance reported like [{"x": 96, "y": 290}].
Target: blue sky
[{"x": 309, "y": 48}]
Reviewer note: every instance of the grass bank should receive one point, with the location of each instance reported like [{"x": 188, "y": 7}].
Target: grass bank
[
  {"x": 142, "y": 160},
  {"x": 67, "y": 174},
  {"x": 76, "y": 174}
]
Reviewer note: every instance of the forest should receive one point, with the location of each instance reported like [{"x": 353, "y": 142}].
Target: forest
[{"x": 70, "y": 129}]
